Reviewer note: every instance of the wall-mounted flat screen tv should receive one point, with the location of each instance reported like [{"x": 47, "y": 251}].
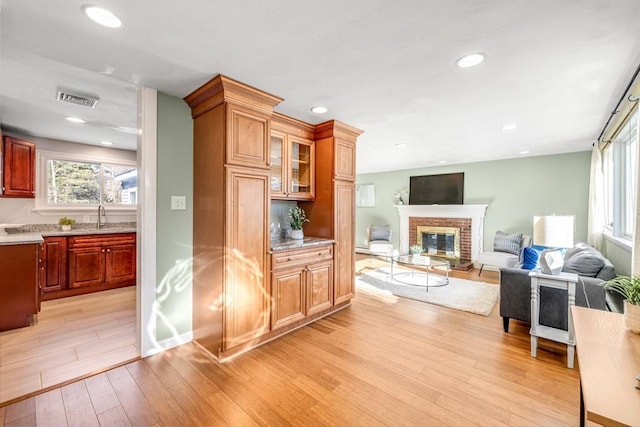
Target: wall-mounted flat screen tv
[{"x": 443, "y": 189}]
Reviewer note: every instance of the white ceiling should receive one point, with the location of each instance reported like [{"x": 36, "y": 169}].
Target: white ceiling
[{"x": 554, "y": 67}]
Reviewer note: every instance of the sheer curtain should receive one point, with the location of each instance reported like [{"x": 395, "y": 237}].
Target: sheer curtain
[
  {"x": 596, "y": 221},
  {"x": 635, "y": 249}
]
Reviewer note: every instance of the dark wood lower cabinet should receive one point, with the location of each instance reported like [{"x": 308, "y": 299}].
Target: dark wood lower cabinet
[
  {"x": 86, "y": 266},
  {"x": 53, "y": 268},
  {"x": 18, "y": 285},
  {"x": 87, "y": 263}
]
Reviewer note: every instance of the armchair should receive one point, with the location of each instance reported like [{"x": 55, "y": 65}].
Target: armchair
[
  {"x": 379, "y": 238},
  {"x": 506, "y": 250}
]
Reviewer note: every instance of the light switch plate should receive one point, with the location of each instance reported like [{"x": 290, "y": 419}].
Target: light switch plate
[{"x": 178, "y": 203}]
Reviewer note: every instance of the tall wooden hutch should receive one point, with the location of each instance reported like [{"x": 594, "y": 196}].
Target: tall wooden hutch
[{"x": 232, "y": 292}]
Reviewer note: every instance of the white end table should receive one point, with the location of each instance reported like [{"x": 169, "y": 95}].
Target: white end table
[{"x": 565, "y": 281}]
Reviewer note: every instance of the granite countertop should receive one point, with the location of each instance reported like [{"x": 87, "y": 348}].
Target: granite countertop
[
  {"x": 20, "y": 238},
  {"x": 286, "y": 244},
  {"x": 34, "y": 233},
  {"x": 86, "y": 231}
]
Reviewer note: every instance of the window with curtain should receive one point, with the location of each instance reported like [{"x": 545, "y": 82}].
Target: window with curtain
[{"x": 620, "y": 165}]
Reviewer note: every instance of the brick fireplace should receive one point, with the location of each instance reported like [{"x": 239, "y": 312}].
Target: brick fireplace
[
  {"x": 444, "y": 237},
  {"x": 443, "y": 220}
]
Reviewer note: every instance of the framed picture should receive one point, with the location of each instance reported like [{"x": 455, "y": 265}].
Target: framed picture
[{"x": 366, "y": 195}]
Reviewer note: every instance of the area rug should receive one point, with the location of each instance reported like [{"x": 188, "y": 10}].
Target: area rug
[{"x": 460, "y": 294}]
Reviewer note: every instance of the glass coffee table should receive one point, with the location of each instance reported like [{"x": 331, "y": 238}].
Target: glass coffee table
[{"x": 428, "y": 265}]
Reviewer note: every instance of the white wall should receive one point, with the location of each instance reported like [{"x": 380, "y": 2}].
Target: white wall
[{"x": 20, "y": 211}]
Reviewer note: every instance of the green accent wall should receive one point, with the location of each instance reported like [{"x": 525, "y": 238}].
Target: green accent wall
[
  {"x": 174, "y": 234},
  {"x": 515, "y": 190}
]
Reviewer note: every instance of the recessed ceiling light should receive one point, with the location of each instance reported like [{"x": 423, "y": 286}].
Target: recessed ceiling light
[
  {"x": 75, "y": 119},
  {"x": 470, "y": 60},
  {"x": 442, "y": 162},
  {"x": 401, "y": 145},
  {"x": 524, "y": 152},
  {"x": 101, "y": 16},
  {"x": 319, "y": 109},
  {"x": 509, "y": 126},
  {"x": 106, "y": 143}
]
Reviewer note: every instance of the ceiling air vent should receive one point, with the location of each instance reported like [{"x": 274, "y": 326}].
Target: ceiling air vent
[{"x": 74, "y": 98}]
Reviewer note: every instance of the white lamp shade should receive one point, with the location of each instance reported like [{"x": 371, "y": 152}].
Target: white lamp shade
[{"x": 554, "y": 231}]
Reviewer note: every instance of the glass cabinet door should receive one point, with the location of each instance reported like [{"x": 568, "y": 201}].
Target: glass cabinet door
[
  {"x": 277, "y": 166},
  {"x": 301, "y": 168}
]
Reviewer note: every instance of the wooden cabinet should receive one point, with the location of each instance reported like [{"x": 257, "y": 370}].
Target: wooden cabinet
[
  {"x": 333, "y": 210},
  {"x": 102, "y": 260},
  {"x": 345, "y": 247},
  {"x": 301, "y": 283},
  {"x": 53, "y": 268},
  {"x": 246, "y": 262},
  {"x": 244, "y": 156},
  {"x": 248, "y": 136},
  {"x": 231, "y": 281},
  {"x": 18, "y": 285},
  {"x": 74, "y": 265},
  {"x": 292, "y": 159},
  {"x": 18, "y": 168}
]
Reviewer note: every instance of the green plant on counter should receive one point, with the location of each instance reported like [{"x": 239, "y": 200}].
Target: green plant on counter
[
  {"x": 628, "y": 287},
  {"x": 297, "y": 218},
  {"x": 66, "y": 221}
]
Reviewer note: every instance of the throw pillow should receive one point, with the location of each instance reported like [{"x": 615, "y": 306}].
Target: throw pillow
[
  {"x": 585, "y": 264},
  {"x": 380, "y": 232},
  {"x": 530, "y": 258},
  {"x": 509, "y": 243}
]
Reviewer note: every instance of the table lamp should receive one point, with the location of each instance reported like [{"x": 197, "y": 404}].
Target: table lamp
[{"x": 552, "y": 231}]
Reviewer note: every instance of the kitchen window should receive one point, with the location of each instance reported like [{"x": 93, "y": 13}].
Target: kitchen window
[{"x": 73, "y": 181}]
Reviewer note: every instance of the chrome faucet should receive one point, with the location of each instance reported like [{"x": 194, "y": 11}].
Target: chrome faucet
[{"x": 100, "y": 211}]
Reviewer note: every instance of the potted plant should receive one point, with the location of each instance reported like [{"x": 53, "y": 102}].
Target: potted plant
[
  {"x": 629, "y": 288},
  {"x": 401, "y": 196},
  {"x": 66, "y": 223},
  {"x": 415, "y": 249},
  {"x": 297, "y": 218}
]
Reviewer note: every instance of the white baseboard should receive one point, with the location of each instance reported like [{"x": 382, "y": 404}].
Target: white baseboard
[{"x": 170, "y": 343}]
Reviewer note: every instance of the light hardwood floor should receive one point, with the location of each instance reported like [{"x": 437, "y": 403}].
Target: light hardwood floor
[
  {"x": 377, "y": 362},
  {"x": 73, "y": 337}
]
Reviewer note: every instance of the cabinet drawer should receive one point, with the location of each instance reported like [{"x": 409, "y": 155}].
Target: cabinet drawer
[
  {"x": 295, "y": 257},
  {"x": 101, "y": 239}
]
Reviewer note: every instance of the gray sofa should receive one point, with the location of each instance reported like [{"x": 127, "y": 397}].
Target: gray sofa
[{"x": 592, "y": 269}]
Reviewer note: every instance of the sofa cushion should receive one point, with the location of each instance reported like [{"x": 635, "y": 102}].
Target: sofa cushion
[
  {"x": 509, "y": 243},
  {"x": 530, "y": 258},
  {"x": 607, "y": 272},
  {"x": 585, "y": 263},
  {"x": 580, "y": 248}
]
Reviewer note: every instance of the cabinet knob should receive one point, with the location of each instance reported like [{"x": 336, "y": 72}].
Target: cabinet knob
[
  {"x": 289, "y": 259},
  {"x": 103, "y": 251},
  {"x": 108, "y": 250}
]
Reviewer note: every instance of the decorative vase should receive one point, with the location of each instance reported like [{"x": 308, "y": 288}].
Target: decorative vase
[
  {"x": 66, "y": 228},
  {"x": 632, "y": 317},
  {"x": 296, "y": 234}
]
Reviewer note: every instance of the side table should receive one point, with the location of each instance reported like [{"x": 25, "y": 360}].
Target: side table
[{"x": 565, "y": 281}]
